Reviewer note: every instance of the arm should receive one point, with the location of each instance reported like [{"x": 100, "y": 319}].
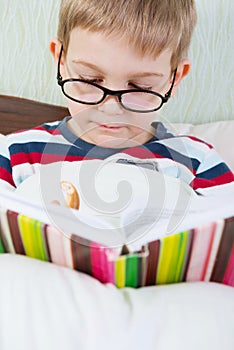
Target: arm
[
  {"x": 212, "y": 174},
  {"x": 206, "y": 170},
  {"x": 6, "y": 179}
]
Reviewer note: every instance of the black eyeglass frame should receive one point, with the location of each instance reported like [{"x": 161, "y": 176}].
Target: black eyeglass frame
[{"x": 108, "y": 92}]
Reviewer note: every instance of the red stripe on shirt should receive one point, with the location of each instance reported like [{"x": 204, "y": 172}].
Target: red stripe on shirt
[
  {"x": 52, "y": 158},
  {"x": 36, "y": 157},
  {"x": 6, "y": 176},
  {"x": 142, "y": 153},
  {"x": 199, "y": 140},
  {"x": 55, "y": 131},
  {"x": 219, "y": 180}
]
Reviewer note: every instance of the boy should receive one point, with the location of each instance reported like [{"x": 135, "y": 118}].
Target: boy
[{"x": 118, "y": 62}]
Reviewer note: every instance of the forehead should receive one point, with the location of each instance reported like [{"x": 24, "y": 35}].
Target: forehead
[{"x": 113, "y": 51}]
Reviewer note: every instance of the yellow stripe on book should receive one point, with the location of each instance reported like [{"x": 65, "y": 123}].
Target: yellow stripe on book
[
  {"x": 168, "y": 259},
  {"x": 120, "y": 271},
  {"x": 32, "y": 238}
]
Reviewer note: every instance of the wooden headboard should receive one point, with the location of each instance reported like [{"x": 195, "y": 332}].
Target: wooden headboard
[{"x": 20, "y": 113}]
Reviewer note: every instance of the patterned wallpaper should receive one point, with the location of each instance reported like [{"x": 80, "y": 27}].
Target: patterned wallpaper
[{"x": 27, "y": 69}]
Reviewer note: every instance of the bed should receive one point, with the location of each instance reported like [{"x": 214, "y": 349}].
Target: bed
[{"x": 43, "y": 305}]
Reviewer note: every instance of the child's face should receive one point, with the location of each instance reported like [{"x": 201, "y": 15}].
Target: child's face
[{"x": 110, "y": 62}]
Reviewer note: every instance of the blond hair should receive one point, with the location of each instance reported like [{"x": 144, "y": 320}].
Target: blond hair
[{"x": 150, "y": 26}]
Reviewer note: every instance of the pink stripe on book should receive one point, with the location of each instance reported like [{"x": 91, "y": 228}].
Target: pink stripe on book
[
  {"x": 102, "y": 267},
  {"x": 200, "y": 252},
  {"x": 96, "y": 252},
  {"x": 104, "y": 264},
  {"x": 55, "y": 240},
  {"x": 218, "y": 231},
  {"x": 229, "y": 274},
  {"x": 111, "y": 256},
  {"x": 209, "y": 249}
]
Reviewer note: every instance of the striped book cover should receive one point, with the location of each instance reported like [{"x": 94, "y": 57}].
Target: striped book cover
[{"x": 204, "y": 253}]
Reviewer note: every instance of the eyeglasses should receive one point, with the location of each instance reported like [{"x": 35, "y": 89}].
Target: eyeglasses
[{"x": 89, "y": 93}]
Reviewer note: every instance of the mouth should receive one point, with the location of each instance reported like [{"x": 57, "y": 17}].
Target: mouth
[{"x": 109, "y": 127}]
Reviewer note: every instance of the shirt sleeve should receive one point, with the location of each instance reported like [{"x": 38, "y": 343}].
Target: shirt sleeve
[
  {"x": 212, "y": 172},
  {"x": 6, "y": 179}
]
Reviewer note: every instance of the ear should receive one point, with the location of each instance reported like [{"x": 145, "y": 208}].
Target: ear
[
  {"x": 55, "y": 48},
  {"x": 182, "y": 70}
]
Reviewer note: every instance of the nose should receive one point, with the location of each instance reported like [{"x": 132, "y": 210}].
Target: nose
[{"x": 111, "y": 106}]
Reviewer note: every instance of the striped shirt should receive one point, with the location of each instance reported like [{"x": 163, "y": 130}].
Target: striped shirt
[{"x": 184, "y": 157}]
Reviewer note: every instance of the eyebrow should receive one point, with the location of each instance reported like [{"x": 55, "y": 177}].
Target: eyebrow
[{"x": 135, "y": 75}]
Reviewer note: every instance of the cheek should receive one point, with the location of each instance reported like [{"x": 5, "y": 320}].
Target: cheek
[
  {"x": 76, "y": 108},
  {"x": 142, "y": 120}
]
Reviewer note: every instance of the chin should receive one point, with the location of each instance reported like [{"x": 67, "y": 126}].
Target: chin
[{"x": 112, "y": 142}]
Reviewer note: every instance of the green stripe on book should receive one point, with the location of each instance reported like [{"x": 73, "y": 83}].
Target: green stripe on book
[
  {"x": 2, "y": 250},
  {"x": 131, "y": 270},
  {"x": 182, "y": 250},
  {"x": 45, "y": 240},
  {"x": 32, "y": 237},
  {"x": 40, "y": 243},
  {"x": 187, "y": 254}
]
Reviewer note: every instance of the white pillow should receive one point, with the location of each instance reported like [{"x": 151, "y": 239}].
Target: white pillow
[
  {"x": 2, "y": 138},
  {"x": 219, "y": 134},
  {"x": 64, "y": 309}
]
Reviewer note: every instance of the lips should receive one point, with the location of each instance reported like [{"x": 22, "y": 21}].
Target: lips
[{"x": 110, "y": 127}]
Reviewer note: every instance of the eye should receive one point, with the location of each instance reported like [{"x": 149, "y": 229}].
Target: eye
[
  {"x": 140, "y": 87},
  {"x": 91, "y": 79}
]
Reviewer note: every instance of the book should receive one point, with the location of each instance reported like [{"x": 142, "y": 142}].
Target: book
[{"x": 188, "y": 239}]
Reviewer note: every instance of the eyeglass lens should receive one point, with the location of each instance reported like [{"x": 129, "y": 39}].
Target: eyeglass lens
[{"x": 83, "y": 92}]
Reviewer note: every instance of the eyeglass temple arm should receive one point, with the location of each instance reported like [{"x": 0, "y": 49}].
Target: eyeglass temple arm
[
  {"x": 168, "y": 94},
  {"x": 59, "y": 77}
]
